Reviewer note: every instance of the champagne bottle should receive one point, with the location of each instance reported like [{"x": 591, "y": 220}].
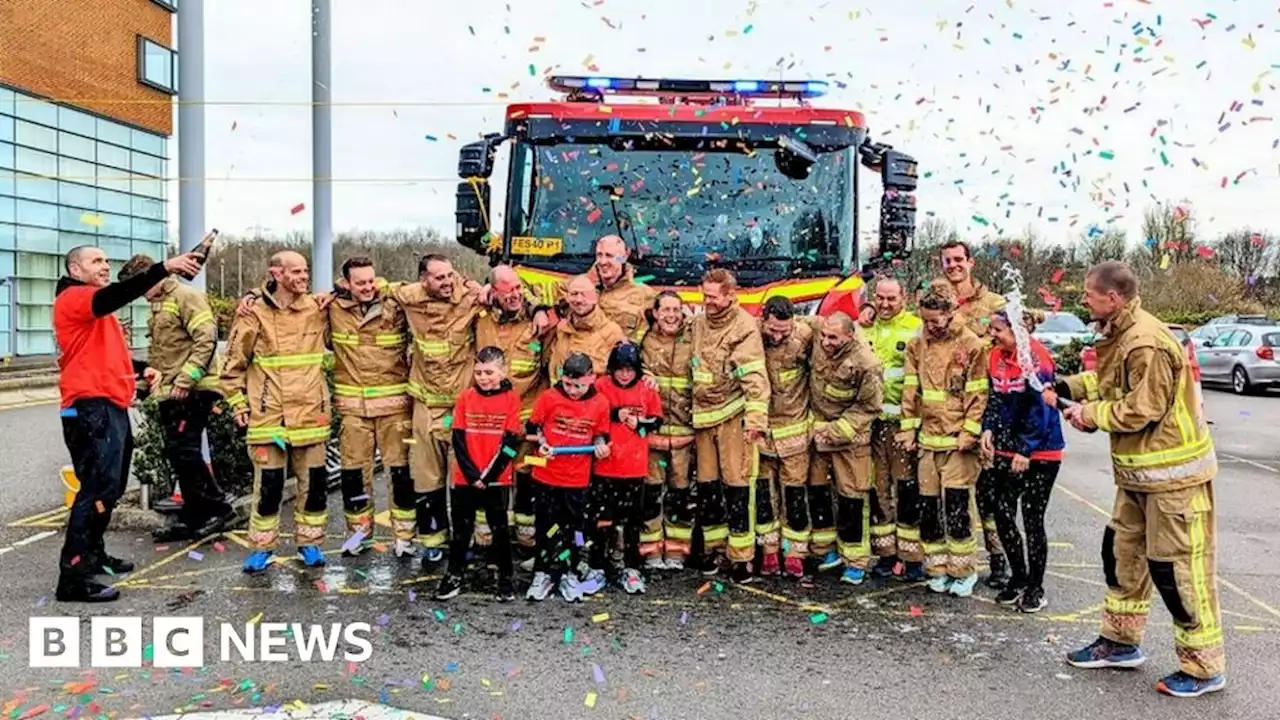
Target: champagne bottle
[{"x": 201, "y": 251}]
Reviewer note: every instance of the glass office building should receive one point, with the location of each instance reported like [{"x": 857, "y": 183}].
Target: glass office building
[{"x": 70, "y": 178}]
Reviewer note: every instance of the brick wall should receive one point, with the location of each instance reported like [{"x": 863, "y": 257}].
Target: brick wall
[{"x": 85, "y": 53}]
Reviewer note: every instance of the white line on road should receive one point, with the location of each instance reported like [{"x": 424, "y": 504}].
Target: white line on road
[
  {"x": 297, "y": 710},
  {"x": 27, "y": 541},
  {"x": 1247, "y": 461}
]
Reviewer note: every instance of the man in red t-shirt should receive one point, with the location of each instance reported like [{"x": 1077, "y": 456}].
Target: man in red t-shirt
[
  {"x": 98, "y": 380},
  {"x": 618, "y": 488},
  {"x": 571, "y": 414},
  {"x": 486, "y": 436}
]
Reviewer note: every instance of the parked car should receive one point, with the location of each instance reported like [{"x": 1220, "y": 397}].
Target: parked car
[
  {"x": 1059, "y": 329},
  {"x": 1240, "y": 320},
  {"x": 1203, "y": 336},
  {"x": 1089, "y": 356},
  {"x": 1244, "y": 358}
]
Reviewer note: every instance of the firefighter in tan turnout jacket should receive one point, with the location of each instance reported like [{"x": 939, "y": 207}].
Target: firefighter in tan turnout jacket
[
  {"x": 1163, "y": 529},
  {"x": 944, "y": 395},
  {"x": 667, "y": 351},
  {"x": 584, "y": 329},
  {"x": 441, "y": 314},
  {"x": 730, "y": 418},
  {"x": 371, "y": 391},
  {"x": 183, "y": 351},
  {"x": 621, "y": 299},
  {"x": 273, "y": 379},
  {"x": 784, "y": 463},
  {"x": 845, "y": 390}
]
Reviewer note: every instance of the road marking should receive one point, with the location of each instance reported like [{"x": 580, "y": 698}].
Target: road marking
[
  {"x": 1242, "y": 593},
  {"x": 1077, "y": 496},
  {"x": 57, "y": 512},
  {"x": 1247, "y": 461},
  {"x": 297, "y": 709},
  {"x": 27, "y": 541}
]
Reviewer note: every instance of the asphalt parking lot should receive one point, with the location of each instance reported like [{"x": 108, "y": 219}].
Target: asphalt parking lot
[{"x": 687, "y": 649}]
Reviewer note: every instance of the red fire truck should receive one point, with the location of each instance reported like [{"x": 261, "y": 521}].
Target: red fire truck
[{"x": 692, "y": 174}]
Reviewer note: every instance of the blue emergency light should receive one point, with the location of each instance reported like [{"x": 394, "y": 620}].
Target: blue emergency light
[{"x": 673, "y": 86}]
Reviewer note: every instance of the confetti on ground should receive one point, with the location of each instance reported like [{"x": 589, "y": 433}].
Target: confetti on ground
[
  {"x": 600, "y": 617},
  {"x": 818, "y": 618},
  {"x": 916, "y": 611},
  {"x": 591, "y": 699},
  {"x": 254, "y": 620},
  {"x": 568, "y": 636},
  {"x": 197, "y": 556}
]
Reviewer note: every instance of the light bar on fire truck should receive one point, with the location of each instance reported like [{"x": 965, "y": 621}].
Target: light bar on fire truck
[{"x": 672, "y": 86}]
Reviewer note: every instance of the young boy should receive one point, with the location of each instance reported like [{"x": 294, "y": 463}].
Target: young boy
[
  {"x": 486, "y": 436},
  {"x": 570, "y": 414},
  {"x": 618, "y": 480}
]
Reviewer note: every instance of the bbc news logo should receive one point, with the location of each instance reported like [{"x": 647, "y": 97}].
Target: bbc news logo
[{"x": 178, "y": 642}]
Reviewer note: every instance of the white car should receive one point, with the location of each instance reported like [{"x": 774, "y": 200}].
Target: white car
[{"x": 1059, "y": 329}]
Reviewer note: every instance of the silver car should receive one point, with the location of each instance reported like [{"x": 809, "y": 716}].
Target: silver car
[
  {"x": 1243, "y": 357},
  {"x": 1059, "y": 329}
]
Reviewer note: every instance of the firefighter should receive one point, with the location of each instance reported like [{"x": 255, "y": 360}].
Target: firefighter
[
  {"x": 974, "y": 304},
  {"x": 845, "y": 393},
  {"x": 514, "y": 322},
  {"x": 622, "y": 299},
  {"x": 895, "y": 509},
  {"x": 943, "y": 399},
  {"x": 784, "y": 461},
  {"x": 183, "y": 348},
  {"x": 441, "y": 310},
  {"x": 370, "y": 338},
  {"x": 274, "y": 381},
  {"x": 1163, "y": 528},
  {"x": 667, "y": 350},
  {"x": 730, "y": 419},
  {"x": 586, "y": 329}
]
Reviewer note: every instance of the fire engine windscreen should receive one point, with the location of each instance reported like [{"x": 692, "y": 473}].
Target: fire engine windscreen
[{"x": 683, "y": 209}]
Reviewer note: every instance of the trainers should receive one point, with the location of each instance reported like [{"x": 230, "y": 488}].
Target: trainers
[
  {"x": 770, "y": 567},
  {"x": 78, "y": 588},
  {"x": 526, "y": 564},
  {"x": 710, "y": 566},
  {"x": 1009, "y": 596},
  {"x": 258, "y": 561},
  {"x": 450, "y": 586},
  {"x": 742, "y": 573},
  {"x": 654, "y": 562},
  {"x": 593, "y": 582},
  {"x": 506, "y": 592},
  {"x": 830, "y": 561},
  {"x": 402, "y": 548},
  {"x": 1183, "y": 685},
  {"x": 109, "y": 565},
  {"x": 1000, "y": 575},
  {"x": 912, "y": 572},
  {"x": 884, "y": 567},
  {"x": 311, "y": 556},
  {"x": 674, "y": 563},
  {"x": 1103, "y": 653},
  {"x": 430, "y": 557},
  {"x": 1032, "y": 601},
  {"x": 570, "y": 588},
  {"x": 632, "y": 581},
  {"x": 541, "y": 587},
  {"x": 939, "y": 584},
  {"x": 793, "y": 567},
  {"x": 963, "y": 587},
  {"x": 853, "y": 576}
]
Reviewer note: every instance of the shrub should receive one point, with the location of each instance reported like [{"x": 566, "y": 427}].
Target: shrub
[
  {"x": 1068, "y": 360},
  {"x": 226, "y": 447}
]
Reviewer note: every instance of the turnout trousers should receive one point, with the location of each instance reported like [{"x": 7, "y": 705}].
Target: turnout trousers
[
  {"x": 358, "y": 439},
  {"x": 947, "y": 478},
  {"x": 310, "y": 511}
]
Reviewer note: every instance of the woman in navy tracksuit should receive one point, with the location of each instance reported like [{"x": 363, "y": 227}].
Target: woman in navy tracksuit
[{"x": 1022, "y": 438}]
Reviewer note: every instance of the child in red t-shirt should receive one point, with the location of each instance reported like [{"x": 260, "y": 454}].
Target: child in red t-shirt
[
  {"x": 486, "y": 435},
  {"x": 618, "y": 482},
  {"x": 569, "y": 414}
]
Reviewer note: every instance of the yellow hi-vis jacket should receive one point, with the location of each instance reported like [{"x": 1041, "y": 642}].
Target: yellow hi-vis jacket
[
  {"x": 184, "y": 339},
  {"x": 789, "y": 417},
  {"x": 443, "y": 342},
  {"x": 729, "y": 374},
  {"x": 945, "y": 388},
  {"x": 274, "y": 371},
  {"x": 667, "y": 359},
  {"x": 1144, "y": 395},
  {"x": 845, "y": 392},
  {"x": 371, "y": 359},
  {"x": 889, "y": 338}
]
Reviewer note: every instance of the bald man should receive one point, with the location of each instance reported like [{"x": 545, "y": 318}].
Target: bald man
[
  {"x": 274, "y": 381},
  {"x": 845, "y": 392},
  {"x": 511, "y": 322},
  {"x": 622, "y": 299},
  {"x": 586, "y": 329}
]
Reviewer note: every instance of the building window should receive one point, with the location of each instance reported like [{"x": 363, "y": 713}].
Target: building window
[
  {"x": 170, "y": 5},
  {"x": 157, "y": 66}
]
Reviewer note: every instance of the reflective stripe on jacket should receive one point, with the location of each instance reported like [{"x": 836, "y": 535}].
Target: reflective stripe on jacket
[
  {"x": 729, "y": 375},
  {"x": 944, "y": 390},
  {"x": 1145, "y": 396},
  {"x": 443, "y": 343},
  {"x": 371, "y": 363},
  {"x": 184, "y": 339},
  {"x": 788, "y": 367},
  {"x": 667, "y": 360}
]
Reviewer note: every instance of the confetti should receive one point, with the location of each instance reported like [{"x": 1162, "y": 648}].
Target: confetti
[
  {"x": 297, "y": 208},
  {"x": 818, "y": 618},
  {"x": 568, "y": 636},
  {"x": 197, "y": 556},
  {"x": 600, "y": 617},
  {"x": 916, "y": 611}
]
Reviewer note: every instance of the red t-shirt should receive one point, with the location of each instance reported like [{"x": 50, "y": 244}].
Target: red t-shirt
[
  {"x": 484, "y": 419},
  {"x": 629, "y": 454},
  {"x": 94, "y": 360},
  {"x": 566, "y": 422}
]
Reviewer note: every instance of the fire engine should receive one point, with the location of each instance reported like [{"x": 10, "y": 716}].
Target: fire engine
[{"x": 692, "y": 174}]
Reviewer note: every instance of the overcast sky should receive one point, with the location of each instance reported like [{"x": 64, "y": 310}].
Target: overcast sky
[{"x": 1018, "y": 113}]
